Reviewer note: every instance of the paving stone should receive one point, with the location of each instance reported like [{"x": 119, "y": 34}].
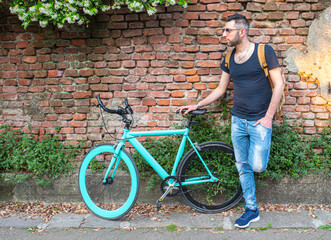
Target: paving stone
[
  {"x": 66, "y": 220},
  {"x": 23, "y": 222},
  {"x": 284, "y": 220},
  {"x": 94, "y": 221}
]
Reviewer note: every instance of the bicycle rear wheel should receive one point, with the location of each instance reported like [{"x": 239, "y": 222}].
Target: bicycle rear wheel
[
  {"x": 115, "y": 197},
  {"x": 210, "y": 197}
]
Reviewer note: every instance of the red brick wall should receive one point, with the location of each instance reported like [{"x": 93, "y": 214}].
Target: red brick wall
[{"x": 49, "y": 77}]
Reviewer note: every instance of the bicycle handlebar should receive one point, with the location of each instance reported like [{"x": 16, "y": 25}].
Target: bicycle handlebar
[
  {"x": 107, "y": 109},
  {"x": 128, "y": 109}
]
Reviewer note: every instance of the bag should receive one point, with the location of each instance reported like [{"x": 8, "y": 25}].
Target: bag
[{"x": 279, "y": 115}]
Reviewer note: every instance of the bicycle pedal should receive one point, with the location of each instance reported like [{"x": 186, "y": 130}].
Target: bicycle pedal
[{"x": 158, "y": 204}]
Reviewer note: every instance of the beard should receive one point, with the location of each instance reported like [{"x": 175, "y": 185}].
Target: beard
[{"x": 237, "y": 40}]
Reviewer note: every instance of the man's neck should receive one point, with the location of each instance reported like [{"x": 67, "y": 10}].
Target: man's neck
[{"x": 243, "y": 46}]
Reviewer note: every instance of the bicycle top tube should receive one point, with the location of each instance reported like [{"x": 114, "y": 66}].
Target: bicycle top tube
[{"x": 183, "y": 131}]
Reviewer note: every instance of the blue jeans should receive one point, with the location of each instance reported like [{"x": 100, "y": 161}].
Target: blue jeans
[{"x": 251, "y": 148}]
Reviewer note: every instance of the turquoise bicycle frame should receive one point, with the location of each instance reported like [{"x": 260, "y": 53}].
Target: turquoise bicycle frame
[{"x": 131, "y": 136}]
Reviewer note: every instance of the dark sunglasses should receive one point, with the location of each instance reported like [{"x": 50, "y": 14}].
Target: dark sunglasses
[{"x": 228, "y": 30}]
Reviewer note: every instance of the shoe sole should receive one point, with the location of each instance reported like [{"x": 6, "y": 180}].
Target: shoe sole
[{"x": 245, "y": 226}]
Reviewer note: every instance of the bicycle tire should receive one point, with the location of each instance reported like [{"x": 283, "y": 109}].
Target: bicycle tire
[
  {"x": 116, "y": 198},
  {"x": 211, "y": 197}
]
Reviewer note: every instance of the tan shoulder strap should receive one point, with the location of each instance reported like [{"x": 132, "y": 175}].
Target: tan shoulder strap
[
  {"x": 263, "y": 62},
  {"x": 227, "y": 59}
]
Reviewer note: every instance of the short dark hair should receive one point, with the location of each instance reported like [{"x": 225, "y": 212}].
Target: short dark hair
[{"x": 239, "y": 20}]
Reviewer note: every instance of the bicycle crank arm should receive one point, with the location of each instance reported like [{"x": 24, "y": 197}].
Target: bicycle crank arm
[{"x": 159, "y": 201}]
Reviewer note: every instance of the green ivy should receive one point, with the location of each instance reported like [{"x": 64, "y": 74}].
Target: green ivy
[
  {"x": 59, "y": 12},
  {"x": 291, "y": 154},
  {"x": 22, "y": 156}
]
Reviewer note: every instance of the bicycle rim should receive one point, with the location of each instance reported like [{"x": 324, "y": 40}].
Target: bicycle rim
[
  {"x": 113, "y": 199},
  {"x": 211, "y": 197}
]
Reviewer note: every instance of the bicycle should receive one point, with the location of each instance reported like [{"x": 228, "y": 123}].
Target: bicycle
[{"x": 108, "y": 172}]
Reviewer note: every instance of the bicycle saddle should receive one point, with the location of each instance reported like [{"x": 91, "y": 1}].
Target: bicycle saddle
[{"x": 195, "y": 112}]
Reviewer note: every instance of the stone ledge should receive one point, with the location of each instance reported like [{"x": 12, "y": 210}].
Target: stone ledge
[{"x": 310, "y": 189}]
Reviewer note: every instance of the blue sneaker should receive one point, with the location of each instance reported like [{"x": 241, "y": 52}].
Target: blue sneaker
[{"x": 248, "y": 217}]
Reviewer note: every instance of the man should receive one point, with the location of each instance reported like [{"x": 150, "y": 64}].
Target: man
[{"x": 254, "y": 107}]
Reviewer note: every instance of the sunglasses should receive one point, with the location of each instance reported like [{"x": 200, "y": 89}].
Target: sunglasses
[{"x": 228, "y": 30}]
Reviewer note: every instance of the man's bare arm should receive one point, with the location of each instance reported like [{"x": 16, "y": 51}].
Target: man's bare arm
[
  {"x": 213, "y": 96},
  {"x": 276, "y": 78}
]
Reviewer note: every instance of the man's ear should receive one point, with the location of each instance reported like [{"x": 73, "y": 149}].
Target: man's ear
[{"x": 242, "y": 32}]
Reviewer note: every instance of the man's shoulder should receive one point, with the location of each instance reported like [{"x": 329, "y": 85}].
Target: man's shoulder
[{"x": 269, "y": 48}]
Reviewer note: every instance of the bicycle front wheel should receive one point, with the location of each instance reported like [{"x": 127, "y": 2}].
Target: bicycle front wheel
[
  {"x": 113, "y": 198},
  {"x": 210, "y": 197}
]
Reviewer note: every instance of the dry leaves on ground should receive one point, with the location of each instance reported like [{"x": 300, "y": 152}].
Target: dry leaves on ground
[{"x": 47, "y": 211}]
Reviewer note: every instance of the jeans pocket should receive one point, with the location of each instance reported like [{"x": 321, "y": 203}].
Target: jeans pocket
[
  {"x": 233, "y": 119},
  {"x": 270, "y": 129}
]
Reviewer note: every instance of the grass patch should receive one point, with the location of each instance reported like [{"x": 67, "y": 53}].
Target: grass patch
[
  {"x": 325, "y": 227},
  {"x": 172, "y": 228}
]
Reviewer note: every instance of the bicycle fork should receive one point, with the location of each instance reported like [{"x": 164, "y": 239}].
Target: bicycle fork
[{"x": 115, "y": 160}]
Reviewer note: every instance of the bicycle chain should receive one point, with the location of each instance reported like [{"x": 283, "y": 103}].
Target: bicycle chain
[{"x": 191, "y": 190}]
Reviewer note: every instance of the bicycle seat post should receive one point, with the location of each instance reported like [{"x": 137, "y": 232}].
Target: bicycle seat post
[{"x": 190, "y": 121}]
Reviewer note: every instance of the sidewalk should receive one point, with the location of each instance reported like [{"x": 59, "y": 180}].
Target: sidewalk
[{"x": 273, "y": 225}]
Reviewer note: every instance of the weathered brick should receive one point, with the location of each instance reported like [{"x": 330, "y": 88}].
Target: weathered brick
[
  {"x": 286, "y": 31},
  {"x": 310, "y": 130},
  {"x": 290, "y": 100},
  {"x": 132, "y": 33},
  {"x": 158, "y": 39},
  {"x": 186, "y": 64},
  {"x": 322, "y": 116},
  {"x": 311, "y": 93},
  {"x": 192, "y": 48},
  {"x": 254, "y": 7},
  {"x": 285, "y": 7},
  {"x": 117, "y": 25},
  {"x": 173, "y": 31},
  {"x": 261, "y": 39},
  {"x": 86, "y": 73},
  {"x": 302, "y": 7},
  {"x": 302, "y": 31},
  {"x": 179, "y": 86},
  {"x": 319, "y": 101},
  {"x": 308, "y": 16},
  {"x": 217, "y": 7},
  {"x": 31, "y": 59},
  {"x": 298, "y": 23},
  {"x": 302, "y": 108},
  {"x": 321, "y": 123},
  {"x": 304, "y": 100},
  {"x": 308, "y": 115},
  {"x": 9, "y": 74},
  {"x": 292, "y": 15},
  {"x": 297, "y": 93},
  {"x": 160, "y": 109},
  {"x": 317, "y": 7},
  {"x": 276, "y": 15},
  {"x": 270, "y": 6},
  {"x": 202, "y": 56},
  {"x": 149, "y": 102},
  {"x": 80, "y": 95},
  {"x": 209, "y": 64},
  {"x": 317, "y": 109},
  {"x": 193, "y": 79},
  {"x": 153, "y": 31},
  {"x": 191, "y": 15}
]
